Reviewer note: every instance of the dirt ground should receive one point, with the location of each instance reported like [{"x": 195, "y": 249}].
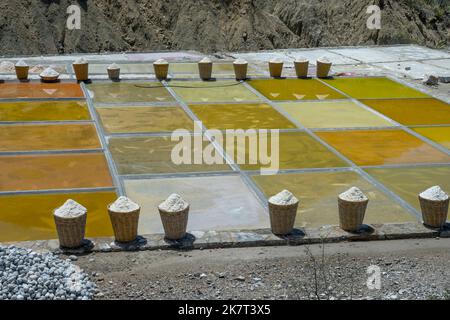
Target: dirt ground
[{"x": 409, "y": 269}]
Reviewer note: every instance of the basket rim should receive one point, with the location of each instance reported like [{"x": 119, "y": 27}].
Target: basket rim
[
  {"x": 174, "y": 212},
  {"x": 353, "y": 201},
  {"x": 435, "y": 201},
  {"x": 284, "y": 205}
]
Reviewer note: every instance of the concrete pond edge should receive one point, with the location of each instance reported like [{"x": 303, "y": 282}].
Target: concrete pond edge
[{"x": 198, "y": 240}]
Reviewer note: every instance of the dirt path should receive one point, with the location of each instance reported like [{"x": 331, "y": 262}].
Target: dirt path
[{"x": 409, "y": 269}]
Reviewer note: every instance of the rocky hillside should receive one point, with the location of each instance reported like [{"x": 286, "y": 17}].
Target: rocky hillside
[{"x": 39, "y": 26}]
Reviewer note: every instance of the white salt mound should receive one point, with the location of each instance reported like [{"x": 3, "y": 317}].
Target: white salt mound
[
  {"x": 80, "y": 60},
  {"x": 353, "y": 194},
  {"x": 205, "y": 60},
  {"x": 276, "y": 60},
  {"x": 70, "y": 209},
  {"x": 323, "y": 60},
  {"x": 173, "y": 203},
  {"x": 283, "y": 198},
  {"x": 21, "y": 63},
  {"x": 113, "y": 66},
  {"x": 6, "y": 66},
  {"x": 240, "y": 61},
  {"x": 434, "y": 193},
  {"x": 49, "y": 72},
  {"x": 124, "y": 205},
  {"x": 161, "y": 61}
]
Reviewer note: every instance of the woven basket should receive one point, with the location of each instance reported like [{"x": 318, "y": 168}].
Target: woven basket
[
  {"x": 301, "y": 68},
  {"x": 275, "y": 68},
  {"x": 205, "y": 70},
  {"x": 71, "y": 231},
  {"x": 81, "y": 71},
  {"x": 22, "y": 72},
  {"x": 125, "y": 224},
  {"x": 434, "y": 213},
  {"x": 240, "y": 70},
  {"x": 282, "y": 218},
  {"x": 161, "y": 71},
  {"x": 351, "y": 214},
  {"x": 323, "y": 69},
  {"x": 114, "y": 74},
  {"x": 174, "y": 223}
]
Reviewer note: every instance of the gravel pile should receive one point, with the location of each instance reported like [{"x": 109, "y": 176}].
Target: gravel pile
[{"x": 27, "y": 275}]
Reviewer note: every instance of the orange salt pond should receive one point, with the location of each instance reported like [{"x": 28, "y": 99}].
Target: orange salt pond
[
  {"x": 64, "y": 171},
  {"x": 40, "y": 90}
]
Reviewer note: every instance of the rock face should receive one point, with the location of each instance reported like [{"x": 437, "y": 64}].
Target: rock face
[{"x": 38, "y": 27}]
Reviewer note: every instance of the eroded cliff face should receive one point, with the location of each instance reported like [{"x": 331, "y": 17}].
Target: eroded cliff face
[{"x": 39, "y": 26}]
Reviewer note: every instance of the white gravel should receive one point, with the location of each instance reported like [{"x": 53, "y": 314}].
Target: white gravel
[{"x": 27, "y": 275}]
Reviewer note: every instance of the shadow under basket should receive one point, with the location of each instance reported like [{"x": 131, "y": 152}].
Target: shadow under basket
[
  {"x": 351, "y": 214},
  {"x": 434, "y": 212},
  {"x": 125, "y": 224},
  {"x": 71, "y": 231},
  {"x": 282, "y": 218},
  {"x": 174, "y": 223}
]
